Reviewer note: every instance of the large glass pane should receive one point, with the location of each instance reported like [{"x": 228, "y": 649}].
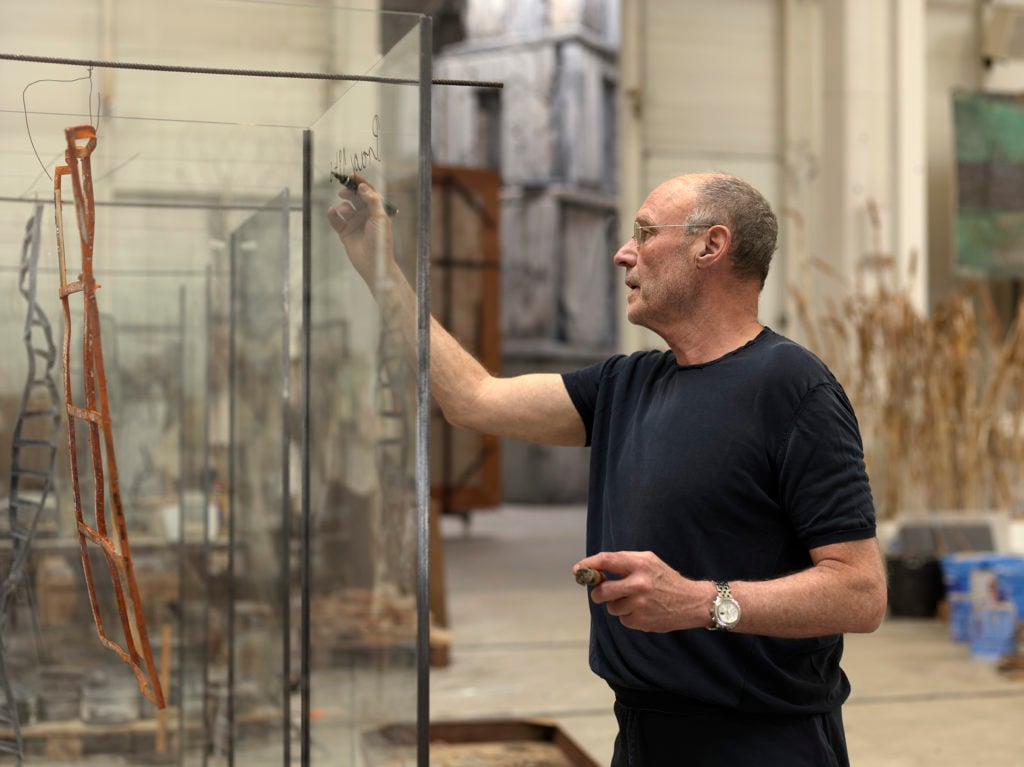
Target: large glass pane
[
  {"x": 363, "y": 430},
  {"x": 260, "y": 507},
  {"x": 162, "y": 257},
  {"x": 199, "y": 252}
]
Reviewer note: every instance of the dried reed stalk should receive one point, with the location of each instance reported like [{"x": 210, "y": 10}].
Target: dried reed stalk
[{"x": 938, "y": 397}]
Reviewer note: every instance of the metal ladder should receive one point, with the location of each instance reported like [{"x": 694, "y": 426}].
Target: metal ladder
[
  {"x": 33, "y": 454},
  {"x": 34, "y": 446},
  {"x": 95, "y": 415}
]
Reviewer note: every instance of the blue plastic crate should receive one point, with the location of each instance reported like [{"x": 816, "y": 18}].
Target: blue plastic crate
[
  {"x": 993, "y": 631},
  {"x": 1010, "y": 581},
  {"x": 960, "y": 609},
  {"x": 957, "y": 568}
]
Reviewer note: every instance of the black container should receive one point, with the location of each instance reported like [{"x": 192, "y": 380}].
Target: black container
[{"x": 915, "y": 586}]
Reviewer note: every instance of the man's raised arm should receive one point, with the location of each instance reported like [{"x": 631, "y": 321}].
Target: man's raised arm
[{"x": 533, "y": 407}]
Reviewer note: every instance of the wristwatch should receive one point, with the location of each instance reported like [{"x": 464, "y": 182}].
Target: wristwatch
[{"x": 725, "y": 611}]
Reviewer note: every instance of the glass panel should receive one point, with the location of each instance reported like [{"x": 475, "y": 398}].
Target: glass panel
[
  {"x": 363, "y": 425},
  {"x": 260, "y": 501},
  {"x": 202, "y": 337},
  {"x": 162, "y": 259}
]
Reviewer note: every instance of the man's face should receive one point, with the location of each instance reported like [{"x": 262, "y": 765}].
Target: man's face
[{"x": 659, "y": 273}]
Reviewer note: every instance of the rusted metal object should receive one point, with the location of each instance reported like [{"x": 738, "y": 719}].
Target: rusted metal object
[
  {"x": 81, "y": 141},
  {"x": 471, "y": 742}
]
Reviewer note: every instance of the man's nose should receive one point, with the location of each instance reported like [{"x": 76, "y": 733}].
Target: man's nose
[{"x": 625, "y": 256}]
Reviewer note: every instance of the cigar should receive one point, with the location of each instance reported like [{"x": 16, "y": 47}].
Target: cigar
[{"x": 588, "y": 576}]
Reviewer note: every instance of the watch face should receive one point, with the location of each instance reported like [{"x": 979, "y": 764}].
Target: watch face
[{"x": 727, "y": 612}]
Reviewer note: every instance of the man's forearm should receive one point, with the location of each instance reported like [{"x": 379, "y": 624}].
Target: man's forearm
[
  {"x": 843, "y": 591},
  {"x": 455, "y": 374},
  {"x": 816, "y": 602}
]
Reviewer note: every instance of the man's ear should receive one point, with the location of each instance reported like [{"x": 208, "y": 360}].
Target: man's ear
[{"x": 716, "y": 245}]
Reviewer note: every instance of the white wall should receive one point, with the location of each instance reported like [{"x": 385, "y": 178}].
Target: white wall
[
  {"x": 836, "y": 109},
  {"x": 702, "y": 90}
]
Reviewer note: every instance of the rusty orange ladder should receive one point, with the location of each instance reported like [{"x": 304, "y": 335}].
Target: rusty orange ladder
[{"x": 81, "y": 141}]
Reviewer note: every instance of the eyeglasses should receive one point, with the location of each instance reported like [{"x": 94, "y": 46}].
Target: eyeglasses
[{"x": 640, "y": 231}]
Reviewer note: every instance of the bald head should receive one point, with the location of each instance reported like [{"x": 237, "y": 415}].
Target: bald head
[{"x": 718, "y": 198}]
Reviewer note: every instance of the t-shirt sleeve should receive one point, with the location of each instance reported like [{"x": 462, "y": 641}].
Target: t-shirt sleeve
[
  {"x": 823, "y": 481},
  {"x": 583, "y": 386}
]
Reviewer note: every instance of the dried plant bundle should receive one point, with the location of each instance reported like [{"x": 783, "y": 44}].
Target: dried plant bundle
[{"x": 938, "y": 396}]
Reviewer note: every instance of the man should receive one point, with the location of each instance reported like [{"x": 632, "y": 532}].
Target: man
[{"x": 727, "y": 489}]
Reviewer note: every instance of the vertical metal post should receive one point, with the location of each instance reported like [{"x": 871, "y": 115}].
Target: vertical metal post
[
  {"x": 182, "y": 543},
  {"x": 286, "y": 510},
  {"x": 307, "y": 331},
  {"x": 423, "y": 405},
  {"x": 207, "y": 480},
  {"x": 232, "y": 494}
]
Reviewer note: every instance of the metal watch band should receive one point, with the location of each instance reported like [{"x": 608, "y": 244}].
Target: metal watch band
[
  {"x": 723, "y": 589},
  {"x": 724, "y": 592}
]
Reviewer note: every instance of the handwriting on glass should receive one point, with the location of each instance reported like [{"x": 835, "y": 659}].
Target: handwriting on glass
[{"x": 359, "y": 160}]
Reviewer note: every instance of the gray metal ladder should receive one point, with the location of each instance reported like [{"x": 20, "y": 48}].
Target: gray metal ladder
[
  {"x": 33, "y": 454},
  {"x": 34, "y": 446}
]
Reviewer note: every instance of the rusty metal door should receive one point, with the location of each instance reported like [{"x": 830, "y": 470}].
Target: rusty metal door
[{"x": 465, "y": 277}]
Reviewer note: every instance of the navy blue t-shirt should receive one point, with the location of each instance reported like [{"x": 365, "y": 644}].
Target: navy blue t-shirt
[{"x": 730, "y": 470}]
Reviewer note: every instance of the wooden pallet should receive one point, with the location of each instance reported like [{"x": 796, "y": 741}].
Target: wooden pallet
[
  {"x": 142, "y": 738},
  {"x": 74, "y": 739}
]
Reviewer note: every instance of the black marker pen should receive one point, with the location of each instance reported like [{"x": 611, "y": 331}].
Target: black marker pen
[{"x": 352, "y": 184}]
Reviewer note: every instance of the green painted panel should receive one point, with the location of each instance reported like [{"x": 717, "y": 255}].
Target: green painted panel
[{"x": 989, "y": 141}]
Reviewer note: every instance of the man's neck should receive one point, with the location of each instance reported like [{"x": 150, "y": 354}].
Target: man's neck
[{"x": 708, "y": 339}]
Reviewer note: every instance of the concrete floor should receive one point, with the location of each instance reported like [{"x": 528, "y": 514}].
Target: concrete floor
[{"x": 519, "y": 650}]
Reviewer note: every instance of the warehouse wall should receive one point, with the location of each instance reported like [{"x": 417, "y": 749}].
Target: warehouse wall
[
  {"x": 550, "y": 132},
  {"x": 839, "y": 110},
  {"x": 815, "y": 101}
]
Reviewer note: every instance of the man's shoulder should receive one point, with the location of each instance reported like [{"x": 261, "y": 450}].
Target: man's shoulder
[
  {"x": 620, "y": 372},
  {"x": 785, "y": 357},
  {"x": 642, "y": 361}
]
